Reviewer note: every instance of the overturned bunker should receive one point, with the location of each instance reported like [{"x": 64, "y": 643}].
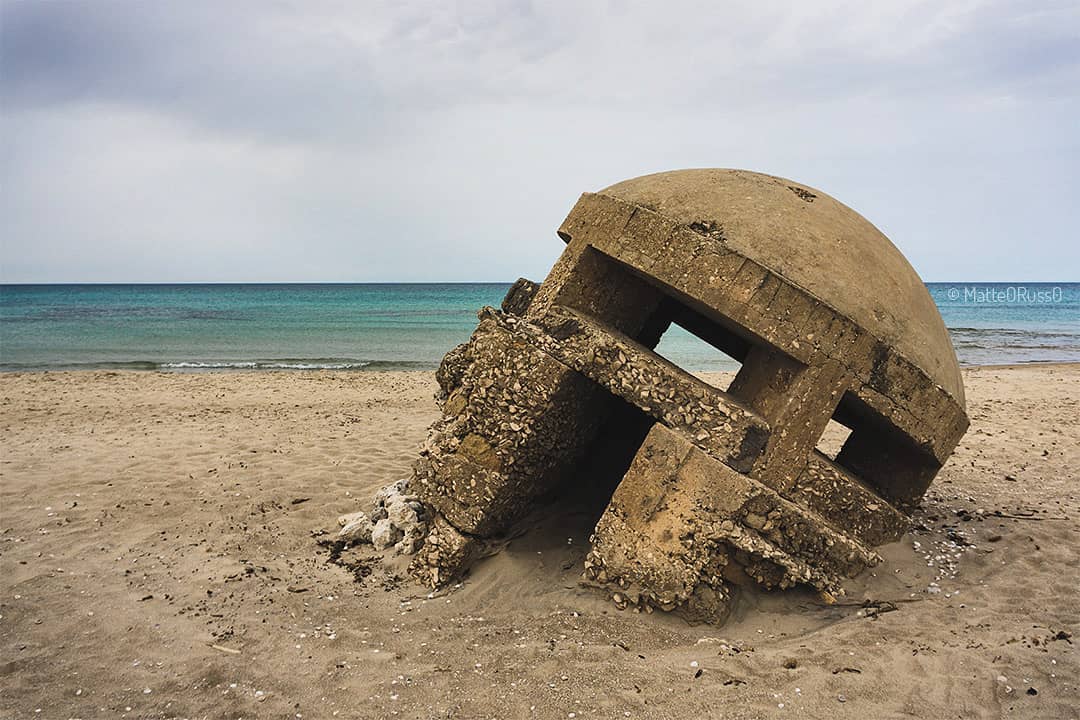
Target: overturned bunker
[{"x": 723, "y": 487}]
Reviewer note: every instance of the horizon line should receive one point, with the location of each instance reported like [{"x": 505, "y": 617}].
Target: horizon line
[{"x": 424, "y": 282}]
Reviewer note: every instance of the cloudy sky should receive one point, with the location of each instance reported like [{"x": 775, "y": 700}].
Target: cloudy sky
[{"x": 184, "y": 141}]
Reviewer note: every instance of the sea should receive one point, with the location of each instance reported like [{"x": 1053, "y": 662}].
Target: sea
[{"x": 365, "y": 327}]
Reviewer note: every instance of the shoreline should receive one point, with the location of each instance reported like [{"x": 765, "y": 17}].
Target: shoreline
[
  {"x": 360, "y": 370},
  {"x": 1017, "y": 366}
]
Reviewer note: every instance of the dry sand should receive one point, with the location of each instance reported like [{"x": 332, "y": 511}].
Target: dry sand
[{"x": 158, "y": 561}]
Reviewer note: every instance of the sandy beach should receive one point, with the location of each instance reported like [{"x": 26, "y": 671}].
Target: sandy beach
[{"x": 160, "y": 559}]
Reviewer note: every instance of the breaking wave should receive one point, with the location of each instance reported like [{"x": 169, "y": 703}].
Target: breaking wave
[{"x": 211, "y": 365}]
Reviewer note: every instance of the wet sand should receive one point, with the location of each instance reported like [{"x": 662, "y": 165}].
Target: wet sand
[{"x": 159, "y": 558}]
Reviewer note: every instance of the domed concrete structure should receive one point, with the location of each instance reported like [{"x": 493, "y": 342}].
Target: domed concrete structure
[
  {"x": 718, "y": 487},
  {"x": 816, "y": 243}
]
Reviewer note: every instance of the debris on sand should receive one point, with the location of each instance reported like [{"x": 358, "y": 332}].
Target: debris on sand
[{"x": 397, "y": 519}]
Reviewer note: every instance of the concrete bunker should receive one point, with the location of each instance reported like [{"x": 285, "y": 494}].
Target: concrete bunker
[{"x": 721, "y": 486}]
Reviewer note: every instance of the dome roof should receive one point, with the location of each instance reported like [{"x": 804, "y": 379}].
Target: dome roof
[{"x": 816, "y": 243}]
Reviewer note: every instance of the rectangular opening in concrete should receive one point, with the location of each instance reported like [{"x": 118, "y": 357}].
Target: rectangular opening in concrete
[
  {"x": 572, "y": 509},
  {"x": 691, "y": 353},
  {"x": 881, "y": 454},
  {"x": 645, "y": 308},
  {"x": 610, "y": 455},
  {"x": 677, "y": 327},
  {"x": 699, "y": 346}
]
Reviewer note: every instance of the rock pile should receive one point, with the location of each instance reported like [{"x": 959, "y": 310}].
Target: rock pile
[{"x": 397, "y": 519}]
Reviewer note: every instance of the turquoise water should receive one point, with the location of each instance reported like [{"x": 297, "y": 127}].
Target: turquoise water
[{"x": 385, "y": 326}]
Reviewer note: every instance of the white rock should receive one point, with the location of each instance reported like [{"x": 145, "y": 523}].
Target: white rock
[
  {"x": 357, "y": 529},
  {"x": 396, "y": 519},
  {"x": 384, "y": 495},
  {"x": 344, "y": 520},
  {"x": 384, "y": 534},
  {"x": 401, "y": 513}
]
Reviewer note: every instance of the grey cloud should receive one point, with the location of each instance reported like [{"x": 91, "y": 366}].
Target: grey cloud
[
  {"x": 222, "y": 65},
  {"x": 430, "y": 140},
  {"x": 214, "y": 60}
]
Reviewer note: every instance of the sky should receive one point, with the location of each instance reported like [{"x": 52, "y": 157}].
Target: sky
[{"x": 234, "y": 141}]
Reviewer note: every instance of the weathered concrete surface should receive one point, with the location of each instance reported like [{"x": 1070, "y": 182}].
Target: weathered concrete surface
[
  {"x": 680, "y": 519},
  {"x": 818, "y": 244},
  {"x": 727, "y": 488}
]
